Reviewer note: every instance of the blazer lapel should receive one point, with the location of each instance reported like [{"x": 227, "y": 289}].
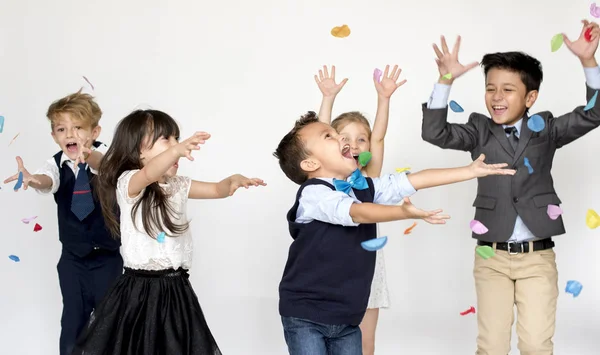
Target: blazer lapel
[
  {"x": 500, "y": 135},
  {"x": 524, "y": 138}
]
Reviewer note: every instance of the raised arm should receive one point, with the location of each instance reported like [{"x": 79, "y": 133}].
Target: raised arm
[
  {"x": 223, "y": 188},
  {"x": 573, "y": 125},
  {"x": 156, "y": 168},
  {"x": 329, "y": 89},
  {"x": 385, "y": 88}
]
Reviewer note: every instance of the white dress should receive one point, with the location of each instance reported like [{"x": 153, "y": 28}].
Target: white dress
[{"x": 379, "y": 297}]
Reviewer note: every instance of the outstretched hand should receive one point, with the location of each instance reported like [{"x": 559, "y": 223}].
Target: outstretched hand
[
  {"x": 448, "y": 63},
  {"x": 432, "y": 217},
  {"x": 327, "y": 83},
  {"x": 389, "y": 82},
  {"x": 27, "y": 177},
  {"x": 581, "y": 47},
  {"x": 481, "y": 169},
  {"x": 237, "y": 181},
  {"x": 193, "y": 143},
  {"x": 82, "y": 150}
]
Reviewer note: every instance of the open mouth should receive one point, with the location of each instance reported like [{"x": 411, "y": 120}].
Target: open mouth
[
  {"x": 346, "y": 152},
  {"x": 498, "y": 110},
  {"x": 72, "y": 147},
  {"x": 355, "y": 157}
]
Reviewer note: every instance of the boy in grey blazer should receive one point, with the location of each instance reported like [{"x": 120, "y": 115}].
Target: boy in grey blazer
[{"x": 523, "y": 271}]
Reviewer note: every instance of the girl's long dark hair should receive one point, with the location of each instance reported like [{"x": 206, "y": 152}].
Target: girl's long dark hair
[{"x": 139, "y": 128}]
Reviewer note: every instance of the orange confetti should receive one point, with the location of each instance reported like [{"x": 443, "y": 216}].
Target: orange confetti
[
  {"x": 409, "y": 229},
  {"x": 340, "y": 31},
  {"x": 11, "y": 142}
]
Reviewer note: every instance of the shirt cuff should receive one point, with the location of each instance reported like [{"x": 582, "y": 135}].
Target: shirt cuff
[
  {"x": 439, "y": 96},
  {"x": 343, "y": 213},
  {"x": 592, "y": 77}
]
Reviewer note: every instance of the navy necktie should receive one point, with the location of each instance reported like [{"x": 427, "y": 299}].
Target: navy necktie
[{"x": 82, "y": 203}]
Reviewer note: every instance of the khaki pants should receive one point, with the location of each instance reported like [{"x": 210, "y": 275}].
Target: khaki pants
[{"x": 527, "y": 280}]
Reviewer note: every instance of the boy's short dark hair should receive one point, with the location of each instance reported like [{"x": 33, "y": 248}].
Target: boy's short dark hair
[
  {"x": 291, "y": 150},
  {"x": 529, "y": 68}
]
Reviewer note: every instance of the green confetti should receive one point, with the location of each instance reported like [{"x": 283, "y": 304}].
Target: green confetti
[
  {"x": 364, "y": 158},
  {"x": 485, "y": 251},
  {"x": 447, "y": 76},
  {"x": 556, "y": 42}
]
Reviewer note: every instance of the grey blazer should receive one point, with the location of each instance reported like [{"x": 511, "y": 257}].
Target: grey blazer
[{"x": 500, "y": 198}]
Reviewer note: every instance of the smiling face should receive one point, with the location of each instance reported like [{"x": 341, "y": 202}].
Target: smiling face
[
  {"x": 67, "y": 128},
  {"x": 506, "y": 96},
  {"x": 356, "y": 134},
  {"x": 328, "y": 155}
]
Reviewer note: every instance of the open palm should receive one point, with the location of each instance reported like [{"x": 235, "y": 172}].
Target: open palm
[
  {"x": 447, "y": 61},
  {"x": 327, "y": 83},
  {"x": 581, "y": 47},
  {"x": 389, "y": 81}
]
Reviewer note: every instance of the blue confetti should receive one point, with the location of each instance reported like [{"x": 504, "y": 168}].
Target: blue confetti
[
  {"x": 19, "y": 181},
  {"x": 454, "y": 106},
  {"x": 591, "y": 103},
  {"x": 161, "y": 237},
  {"x": 574, "y": 287},
  {"x": 14, "y": 258},
  {"x": 1, "y": 124},
  {"x": 374, "y": 244},
  {"x": 528, "y": 165},
  {"x": 536, "y": 123}
]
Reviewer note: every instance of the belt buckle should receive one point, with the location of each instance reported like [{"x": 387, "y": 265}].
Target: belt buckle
[{"x": 509, "y": 243}]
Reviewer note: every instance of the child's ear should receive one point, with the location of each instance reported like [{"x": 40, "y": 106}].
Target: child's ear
[
  {"x": 310, "y": 165},
  {"x": 96, "y": 132},
  {"x": 530, "y": 98}
]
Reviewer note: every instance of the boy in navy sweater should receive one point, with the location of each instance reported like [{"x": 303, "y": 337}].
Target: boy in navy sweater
[
  {"x": 90, "y": 261},
  {"x": 326, "y": 282}
]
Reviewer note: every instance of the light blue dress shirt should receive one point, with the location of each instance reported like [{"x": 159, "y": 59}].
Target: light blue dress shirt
[
  {"x": 321, "y": 203},
  {"x": 439, "y": 99}
]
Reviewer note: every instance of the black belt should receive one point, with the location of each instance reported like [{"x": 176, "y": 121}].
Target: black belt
[{"x": 516, "y": 248}]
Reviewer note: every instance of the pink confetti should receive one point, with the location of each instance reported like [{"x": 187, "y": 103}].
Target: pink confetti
[
  {"x": 28, "y": 219},
  {"x": 470, "y": 310},
  {"x": 554, "y": 211},
  {"x": 478, "y": 227},
  {"x": 86, "y": 79},
  {"x": 377, "y": 74},
  {"x": 595, "y": 10}
]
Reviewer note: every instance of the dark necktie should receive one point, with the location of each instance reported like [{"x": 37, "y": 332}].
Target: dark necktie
[
  {"x": 82, "y": 203},
  {"x": 512, "y": 137}
]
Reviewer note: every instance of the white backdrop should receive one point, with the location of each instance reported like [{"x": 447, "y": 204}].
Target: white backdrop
[{"x": 243, "y": 71}]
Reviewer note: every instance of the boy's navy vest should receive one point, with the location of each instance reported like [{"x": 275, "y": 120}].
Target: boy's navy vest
[
  {"x": 80, "y": 237},
  {"x": 328, "y": 275}
]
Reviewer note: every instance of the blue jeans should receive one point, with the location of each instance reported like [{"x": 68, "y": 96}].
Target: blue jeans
[{"x": 304, "y": 337}]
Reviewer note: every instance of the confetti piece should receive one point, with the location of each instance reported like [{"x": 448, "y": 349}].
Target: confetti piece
[
  {"x": 19, "y": 181},
  {"x": 485, "y": 251},
  {"x": 528, "y": 165},
  {"x": 470, "y": 310},
  {"x": 14, "y": 258},
  {"x": 591, "y": 103},
  {"x": 377, "y": 74},
  {"x": 554, "y": 211},
  {"x": 28, "y": 219},
  {"x": 536, "y": 123},
  {"x": 86, "y": 79},
  {"x": 447, "y": 76},
  {"x": 374, "y": 244},
  {"x": 595, "y": 10},
  {"x": 37, "y": 228},
  {"x": 364, "y": 158},
  {"x": 1, "y": 124},
  {"x": 592, "y": 219},
  {"x": 556, "y": 42},
  {"x": 340, "y": 31},
  {"x": 478, "y": 227},
  {"x": 161, "y": 237},
  {"x": 454, "y": 106},
  {"x": 15, "y": 137},
  {"x": 574, "y": 287},
  {"x": 401, "y": 170},
  {"x": 588, "y": 34},
  {"x": 409, "y": 229}
]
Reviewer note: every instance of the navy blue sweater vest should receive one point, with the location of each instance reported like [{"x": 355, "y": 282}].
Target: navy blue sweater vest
[
  {"x": 80, "y": 237},
  {"x": 327, "y": 277}
]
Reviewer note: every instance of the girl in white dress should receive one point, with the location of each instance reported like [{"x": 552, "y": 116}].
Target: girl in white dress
[
  {"x": 357, "y": 131},
  {"x": 152, "y": 308}
]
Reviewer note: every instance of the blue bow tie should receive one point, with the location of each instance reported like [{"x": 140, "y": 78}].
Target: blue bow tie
[{"x": 356, "y": 181}]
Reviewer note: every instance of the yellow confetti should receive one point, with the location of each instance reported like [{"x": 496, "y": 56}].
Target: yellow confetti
[
  {"x": 592, "y": 219},
  {"x": 401, "y": 170},
  {"x": 340, "y": 31}
]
